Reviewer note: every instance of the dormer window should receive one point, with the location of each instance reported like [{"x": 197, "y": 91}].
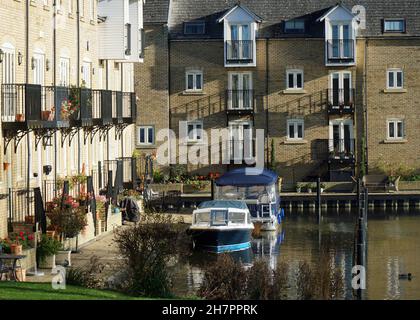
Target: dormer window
[
  {"x": 340, "y": 36},
  {"x": 240, "y": 28},
  {"x": 194, "y": 27},
  {"x": 394, "y": 26},
  {"x": 294, "y": 26}
]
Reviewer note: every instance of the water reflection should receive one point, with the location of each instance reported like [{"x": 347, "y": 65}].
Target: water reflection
[{"x": 393, "y": 249}]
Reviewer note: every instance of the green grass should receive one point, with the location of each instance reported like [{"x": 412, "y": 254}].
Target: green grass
[{"x": 44, "y": 291}]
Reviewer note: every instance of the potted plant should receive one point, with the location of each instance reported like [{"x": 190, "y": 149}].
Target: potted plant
[
  {"x": 299, "y": 187},
  {"x": 310, "y": 187},
  {"x": 21, "y": 241},
  {"x": 6, "y": 166},
  {"x": 46, "y": 251},
  {"x": 45, "y": 115},
  {"x": 322, "y": 186},
  {"x": 19, "y": 117}
]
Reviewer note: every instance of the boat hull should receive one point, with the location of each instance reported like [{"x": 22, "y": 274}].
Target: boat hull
[{"x": 219, "y": 241}]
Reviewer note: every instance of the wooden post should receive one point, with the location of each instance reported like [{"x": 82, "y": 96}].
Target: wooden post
[{"x": 318, "y": 198}]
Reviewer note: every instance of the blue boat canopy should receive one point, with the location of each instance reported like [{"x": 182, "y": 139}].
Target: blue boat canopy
[
  {"x": 254, "y": 177},
  {"x": 223, "y": 204}
]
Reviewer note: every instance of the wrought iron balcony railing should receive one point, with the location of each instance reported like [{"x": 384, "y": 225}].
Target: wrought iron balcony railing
[
  {"x": 340, "y": 50},
  {"x": 239, "y": 51},
  {"x": 341, "y": 101},
  {"x": 240, "y": 100},
  {"x": 341, "y": 150}
]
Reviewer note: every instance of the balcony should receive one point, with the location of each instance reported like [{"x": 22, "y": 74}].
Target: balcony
[
  {"x": 129, "y": 107},
  {"x": 341, "y": 151},
  {"x": 341, "y": 101},
  {"x": 101, "y": 107},
  {"x": 340, "y": 51},
  {"x": 239, "y": 51},
  {"x": 83, "y": 117},
  {"x": 240, "y": 101},
  {"x": 28, "y": 106},
  {"x": 117, "y": 114}
]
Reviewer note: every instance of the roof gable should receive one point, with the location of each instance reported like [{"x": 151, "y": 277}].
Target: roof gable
[
  {"x": 244, "y": 9},
  {"x": 338, "y": 10}
]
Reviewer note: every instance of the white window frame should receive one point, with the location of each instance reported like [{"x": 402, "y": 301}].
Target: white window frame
[
  {"x": 194, "y": 74},
  {"x": 296, "y": 123},
  {"x": 92, "y": 10},
  {"x": 64, "y": 76},
  {"x": 295, "y": 73},
  {"x": 196, "y": 137},
  {"x": 394, "y": 20},
  {"x": 146, "y": 135},
  {"x": 87, "y": 73},
  {"x": 395, "y": 122},
  {"x": 70, "y": 6},
  {"x": 395, "y": 72}
]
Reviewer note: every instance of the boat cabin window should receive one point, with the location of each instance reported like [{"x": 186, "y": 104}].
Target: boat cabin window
[
  {"x": 219, "y": 217},
  {"x": 202, "y": 217},
  {"x": 264, "y": 194},
  {"x": 237, "y": 217}
]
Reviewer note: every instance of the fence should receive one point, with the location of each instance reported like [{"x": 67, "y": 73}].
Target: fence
[{"x": 21, "y": 204}]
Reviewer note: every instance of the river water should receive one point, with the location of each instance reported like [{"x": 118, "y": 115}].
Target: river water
[{"x": 393, "y": 248}]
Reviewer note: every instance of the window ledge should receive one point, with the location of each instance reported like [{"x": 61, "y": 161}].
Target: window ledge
[
  {"x": 33, "y": 3},
  {"x": 146, "y": 146},
  {"x": 82, "y": 19},
  {"x": 46, "y": 8},
  {"x": 193, "y": 143},
  {"x": 294, "y": 91},
  {"x": 193, "y": 93},
  {"x": 395, "y": 141},
  {"x": 59, "y": 11},
  {"x": 71, "y": 15},
  {"x": 395, "y": 90},
  {"x": 92, "y": 22},
  {"x": 295, "y": 142}
]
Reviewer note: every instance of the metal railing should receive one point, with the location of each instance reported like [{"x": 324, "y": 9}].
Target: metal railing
[
  {"x": 102, "y": 105},
  {"x": 341, "y": 100},
  {"x": 117, "y": 105},
  {"x": 239, "y": 50},
  {"x": 21, "y": 205},
  {"x": 20, "y": 102},
  {"x": 53, "y": 103},
  {"x": 241, "y": 150},
  {"x": 341, "y": 148},
  {"x": 340, "y": 50},
  {"x": 240, "y": 100}
]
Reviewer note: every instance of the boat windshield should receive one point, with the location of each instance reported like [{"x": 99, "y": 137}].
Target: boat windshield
[
  {"x": 264, "y": 194},
  {"x": 220, "y": 217}
]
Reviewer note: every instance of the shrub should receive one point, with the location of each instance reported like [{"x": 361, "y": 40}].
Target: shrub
[
  {"x": 260, "y": 278},
  {"x": 47, "y": 247},
  {"x": 147, "y": 248},
  {"x": 88, "y": 276},
  {"x": 224, "y": 280}
]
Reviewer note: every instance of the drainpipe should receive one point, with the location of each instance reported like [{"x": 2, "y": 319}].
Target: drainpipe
[
  {"x": 122, "y": 90},
  {"x": 266, "y": 98},
  {"x": 106, "y": 87},
  {"x": 55, "y": 81},
  {"x": 28, "y": 142},
  {"x": 365, "y": 107},
  {"x": 79, "y": 160}
]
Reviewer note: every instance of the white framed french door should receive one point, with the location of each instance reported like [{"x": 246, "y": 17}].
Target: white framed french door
[
  {"x": 240, "y": 45},
  {"x": 64, "y": 76},
  {"x": 341, "y": 41},
  {"x": 87, "y": 74},
  {"x": 240, "y": 92},
  {"x": 8, "y": 79},
  {"x": 341, "y": 135},
  {"x": 240, "y": 140},
  {"x": 39, "y": 68},
  {"x": 341, "y": 92}
]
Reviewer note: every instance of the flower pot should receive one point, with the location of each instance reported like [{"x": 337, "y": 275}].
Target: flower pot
[
  {"x": 48, "y": 263},
  {"x": 46, "y": 115},
  {"x": 63, "y": 258},
  {"x": 322, "y": 190},
  {"x": 309, "y": 190},
  {"x": 298, "y": 190},
  {"x": 16, "y": 249},
  {"x": 30, "y": 219},
  {"x": 19, "y": 117},
  {"x": 20, "y": 274},
  {"x": 6, "y": 166}
]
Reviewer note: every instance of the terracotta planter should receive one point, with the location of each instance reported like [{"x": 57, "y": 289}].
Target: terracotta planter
[
  {"x": 20, "y": 274},
  {"x": 30, "y": 219},
  {"x": 6, "y": 166},
  {"x": 16, "y": 249},
  {"x": 19, "y": 117},
  {"x": 46, "y": 115}
]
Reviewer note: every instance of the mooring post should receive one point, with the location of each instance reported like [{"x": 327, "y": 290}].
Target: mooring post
[
  {"x": 366, "y": 207},
  {"x": 318, "y": 197}
]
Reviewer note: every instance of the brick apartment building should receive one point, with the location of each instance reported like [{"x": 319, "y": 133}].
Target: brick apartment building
[
  {"x": 50, "y": 49},
  {"x": 334, "y": 86}
]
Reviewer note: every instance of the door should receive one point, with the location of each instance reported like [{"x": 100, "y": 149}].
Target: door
[
  {"x": 341, "y": 41},
  {"x": 64, "y": 78},
  {"x": 241, "y": 145},
  {"x": 341, "y": 93},
  {"x": 8, "y": 79},
  {"x": 39, "y": 67},
  {"x": 86, "y": 74},
  {"x": 341, "y": 137},
  {"x": 240, "y": 91},
  {"x": 240, "y": 41}
]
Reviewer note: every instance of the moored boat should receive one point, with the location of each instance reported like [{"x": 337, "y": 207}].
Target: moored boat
[{"x": 222, "y": 226}]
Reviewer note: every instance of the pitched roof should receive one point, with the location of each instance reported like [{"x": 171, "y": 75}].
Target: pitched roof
[
  {"x": 156, "y": 11},
  {"x": 249, "y": 12},
  {"x": 275, "y": 12}
]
